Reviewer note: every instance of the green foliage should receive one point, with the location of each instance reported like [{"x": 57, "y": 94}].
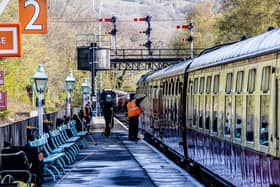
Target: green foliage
[
  {"x": 246, "y": 18},
  {"x": 203, "y": 18},
  {"x": 4, "y": 114}
]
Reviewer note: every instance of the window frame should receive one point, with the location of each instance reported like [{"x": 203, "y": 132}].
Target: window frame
[
  {"x": 208, "y": 84},
  {"x": 216, "y": 84},
  {"x": 266, "y": 71},
  {"x": 201, "y": 85},
  {"x": 239, "y": 82},
  {"x": 229, "y": 81},
  {"x": 251, "y": 84}
]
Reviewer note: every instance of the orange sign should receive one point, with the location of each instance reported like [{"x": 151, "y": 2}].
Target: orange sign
[
  {"x": 33, "y": 16},
  {"x": 10, "y": 40}
]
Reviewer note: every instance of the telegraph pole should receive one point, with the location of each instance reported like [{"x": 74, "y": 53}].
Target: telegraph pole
[
  {"x": 93, "y": 47},
  {"x": 148, "y": 44},
  {"x": 190, "y": 38}
]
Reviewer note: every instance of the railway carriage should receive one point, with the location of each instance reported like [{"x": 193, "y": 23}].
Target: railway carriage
[
  {"x": 163, "y": 109},
  {"x": 230, "y": 100}
]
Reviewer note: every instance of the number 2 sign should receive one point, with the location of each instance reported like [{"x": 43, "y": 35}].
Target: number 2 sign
[{"x": 33, "y": 16}]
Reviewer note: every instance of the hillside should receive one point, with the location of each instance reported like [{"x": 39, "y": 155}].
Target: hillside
[{"x": 166, "y": 14}]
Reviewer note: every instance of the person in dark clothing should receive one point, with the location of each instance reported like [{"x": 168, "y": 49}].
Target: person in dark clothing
[
  {"x": 87, "y": 116},
  {"x": 108, "y": 115},
  {"x": 133, "y": 111}
]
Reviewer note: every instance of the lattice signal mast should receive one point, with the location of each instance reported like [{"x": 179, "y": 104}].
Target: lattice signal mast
[
  {"x": 190, "y": 38},
  {"x": 148, "y": 44},
  {"x": 113, "y": 32}
]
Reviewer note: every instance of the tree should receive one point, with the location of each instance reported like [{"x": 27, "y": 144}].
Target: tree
[
  {"x": 246, "y": 18},
  {"x": 203, "y": 17}
]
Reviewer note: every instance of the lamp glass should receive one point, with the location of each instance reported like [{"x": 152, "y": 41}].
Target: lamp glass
[
  {"x": 40, "y": 79},
  {"x": 70, "y": 81},
  {"x": 41, "y": 85},
  {"x": 85, "y": 87}
]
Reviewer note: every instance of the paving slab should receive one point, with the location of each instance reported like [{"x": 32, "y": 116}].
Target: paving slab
[{"x": 114, "y": 161}]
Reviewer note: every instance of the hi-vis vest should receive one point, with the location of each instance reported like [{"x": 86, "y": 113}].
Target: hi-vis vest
[{"x": 132, "y": 109}]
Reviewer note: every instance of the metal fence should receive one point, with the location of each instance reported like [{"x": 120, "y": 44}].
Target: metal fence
[{"x": 16, "y": 133}]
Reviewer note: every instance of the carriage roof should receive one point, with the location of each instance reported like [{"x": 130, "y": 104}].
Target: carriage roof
[
  {"x": 170, "y": 71},
  {"x": 265, "y": 43}
]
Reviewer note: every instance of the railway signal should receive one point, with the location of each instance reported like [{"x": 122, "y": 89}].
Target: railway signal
[
  {"x": 113, "y": 32},
  {"x": 148, "y": 44},
  {"x": 190, "y": 38}
]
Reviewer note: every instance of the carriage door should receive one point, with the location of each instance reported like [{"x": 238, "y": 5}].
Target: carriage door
[
  {"x": 276, "y": 72},
  {"x": 189, "y": 105},
  {"x": 277, "y": 115}
]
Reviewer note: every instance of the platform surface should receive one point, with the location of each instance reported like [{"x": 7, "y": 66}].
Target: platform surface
[{"x": 116, "y": 161}]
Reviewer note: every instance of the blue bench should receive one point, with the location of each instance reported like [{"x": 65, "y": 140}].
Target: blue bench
[
  {"x": 52, "y": 159},
  {"x": 81, "y": 134},
  {"x": 58, "y": 142}
]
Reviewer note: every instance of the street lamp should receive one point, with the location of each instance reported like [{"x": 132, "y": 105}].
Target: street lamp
[
  {"x": 40, "y": 79},
  {"x": 85, "y": 90},
  {"x": 69, "y": 87}
]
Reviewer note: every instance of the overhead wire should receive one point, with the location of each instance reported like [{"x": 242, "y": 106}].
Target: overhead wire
[{"x": 97, "y": 21}]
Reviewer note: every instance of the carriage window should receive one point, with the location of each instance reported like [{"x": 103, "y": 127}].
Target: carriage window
[
  {"x": 201, "y": 101},
  {"x": 169, "y": 88},
  {"x": 180, "y": 88},
  {"x": 201, "y": 106},
  {"x": 201, "y": 85},
  {"x": 166, "y": 88},
  {"x": 238, "y": 116},
  {"x": 208, "y": 103},
  {"x": 215, "y": 103},
  {"x": 250, "y": 118},
  {"x": 173, "y": 88},
  {"x": 228, "y": 113},
  {"x": 176, "y": 88},
  {"x": 266, "y": 79},
  {"x": 216, "y": 84},
  {"x": 189, "y": 86},
  {"x": 229, "y": 83},
  {"x": 264, "y": 119},
  {"x": 195, "y": 110},
  {"x": 208, "y": 84},
  {"x": 251, "y": 80},
  {"x": 215, "y": 109},
  {"x": 207, "y": 111},
  {"x": 239, "y": 82},
  {"x": 195, "y": 85}
]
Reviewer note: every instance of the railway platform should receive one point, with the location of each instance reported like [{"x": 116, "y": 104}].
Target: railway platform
[{"x": 116, "y": 161}]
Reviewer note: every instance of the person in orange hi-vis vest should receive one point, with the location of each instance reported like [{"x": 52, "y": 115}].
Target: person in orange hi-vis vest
[{"x": 133, "y": 111}]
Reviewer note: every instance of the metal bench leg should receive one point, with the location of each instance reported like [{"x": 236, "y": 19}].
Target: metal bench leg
[
  {"x": 68, "y": 157},
  {"x": 72, "y": 154},
  {"x": 57, "y": 171},
  {"x": 61, "y": 165},
  {"x": 77, "y": 148},
  {"x": 50, "y": 172},
  {"x": 74, "y": 149}
]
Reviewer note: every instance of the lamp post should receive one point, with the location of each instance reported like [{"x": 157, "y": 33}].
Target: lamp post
[
  {"x": 85, "y": 90},
  {"x": 69, "y": 87},
  {"x": 40, "y": 79}
]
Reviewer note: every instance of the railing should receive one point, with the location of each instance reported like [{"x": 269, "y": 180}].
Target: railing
[
  {"x": 16, "y": 133},
  {"x": 157, "y": 53}
]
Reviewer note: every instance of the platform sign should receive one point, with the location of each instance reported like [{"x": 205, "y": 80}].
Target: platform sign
[
  {"x": 10, "y": 40},
  {"x": 1, "y": 77},
  {"x": 33, "y": 16},
  {"x": 3, "y": 100}
]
